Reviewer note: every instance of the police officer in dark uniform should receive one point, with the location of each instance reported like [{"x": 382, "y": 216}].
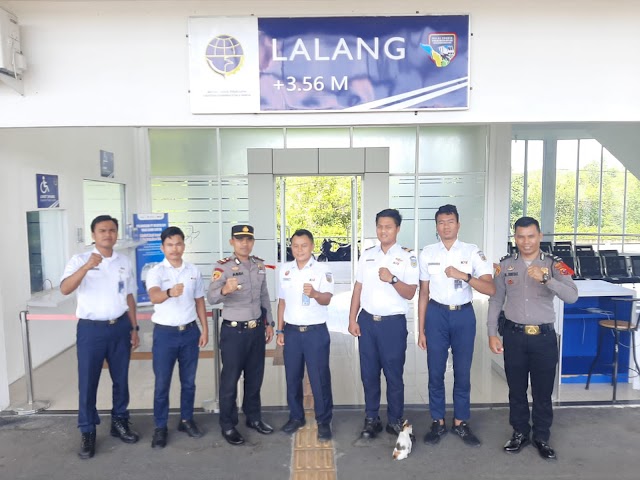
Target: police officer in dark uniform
[
  {"x": 529, "y": 280},
  {"x": 240, "y": 282}
]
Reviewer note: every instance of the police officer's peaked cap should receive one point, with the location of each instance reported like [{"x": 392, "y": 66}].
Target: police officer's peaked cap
[{"x": 242, "y": 230}]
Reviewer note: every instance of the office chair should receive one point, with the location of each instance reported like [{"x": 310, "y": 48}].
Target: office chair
[
  {"x": 590, "y": 267},
  {"x": 608, "y": 253},
  {"x": 584, "y": 250},
  {"x": 617, "y": 326},
  {"x": 616, "y": 270},
  {"x": 546, "y": 247}
]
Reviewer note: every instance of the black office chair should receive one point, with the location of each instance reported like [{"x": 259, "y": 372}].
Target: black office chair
[
  {"x": 617, "y": 326},
  {"x": 608, "y": 253},
  {"x": 634, "y": 264},
  {"x": 616, "y": 270},
  {"x": 584, "y": 250},
  {"x": 546, "y": 247},
  {"x": 563, "y": 246},
  {"x": 590, "y": 267}
]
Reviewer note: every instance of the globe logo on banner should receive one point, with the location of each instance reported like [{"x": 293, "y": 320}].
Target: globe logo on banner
[
  {"x": 441, "y": 47},
  {"x": 224, "y": 55}
]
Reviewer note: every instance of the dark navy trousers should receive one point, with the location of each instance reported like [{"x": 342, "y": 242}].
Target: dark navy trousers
[
  {"x": 310, "y": 348},
  {"x": 534, "y": 356},
  {"x": 171, "y": 345},
  {"x": 242, "y": 352},
  {"x": 446, "y": 328},
  {"x": 97, "y": 341},
  {"x": 383, "y": 346}
]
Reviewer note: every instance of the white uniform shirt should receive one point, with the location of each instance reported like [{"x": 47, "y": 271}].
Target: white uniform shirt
[
  {"x": 378, "y": 297},
  {"x": 102, "y": 294},
  {"x": 292, "y": 280},
  {"x": 176, "y": 311},
  {"x": 466, "y": 257}
]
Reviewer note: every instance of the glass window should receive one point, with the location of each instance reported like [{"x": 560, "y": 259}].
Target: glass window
[
  {"x": 46, "y": 238},
  {"x": 589, "y": 192},
  {"x": 632, "y": 215},
  {"x": 183, "y": 152},
  {"x": 400, "y": 140},
  {"x": 517, "y": 180},
  {"x": 612, "y": 200},
  {"x": 566, "y": 166},
  {"x": 534, "y": 160},
  {"x": 452, "y": 149},
  {"x": 103, "y": 198}
]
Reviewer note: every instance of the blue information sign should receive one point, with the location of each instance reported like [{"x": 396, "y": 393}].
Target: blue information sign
[
  {"x": 47, "y": 191},
  {"x": 148, "y": 227}
]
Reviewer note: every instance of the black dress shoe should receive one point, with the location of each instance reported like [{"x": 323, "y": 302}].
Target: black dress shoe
[
  {"x": 395, "y": 428},
  {"x": 260, "y": 427},
  {"x": 293, "y": 425},
  {"x": 438, "y": 430},
  {"x": 190, "y": 428},
  {"x": 544, "y": 449},
  {"x": 324, "y": 432},
  {"x": 517, "y": 442},
  {"x": 233, "y": 436},
  {"x": 87, "y": 445},
  {"x": 464, "y": 432},
  {"x": 159, "y": 439},
  {"x": 372, "y": 427},
  {"x": 120, "y": 428}
]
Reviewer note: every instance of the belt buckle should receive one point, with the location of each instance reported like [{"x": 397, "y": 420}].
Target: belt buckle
[
  {"x": 182, "y": 327},
  {"x": 454, "y": 307},
  {"x": 532, "y": 329},
  {"x": 113, "y": 321},
  {"x": 234, "y": 324},
  {"x": 303, "y": 328},
  {"x": 377, "y": 318},
  {"x": 252, "y": 323}
]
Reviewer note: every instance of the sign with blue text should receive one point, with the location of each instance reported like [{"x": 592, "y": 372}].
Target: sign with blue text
[
  {"x": 47, "y": 191},
  {"x": 148, "y": 226},
  {"x": 347, "y": 64}
]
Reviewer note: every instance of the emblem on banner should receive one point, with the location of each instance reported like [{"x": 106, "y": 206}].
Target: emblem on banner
[
  {"x": 225, "y": 55},
  {"x": 441, "y": 47}
]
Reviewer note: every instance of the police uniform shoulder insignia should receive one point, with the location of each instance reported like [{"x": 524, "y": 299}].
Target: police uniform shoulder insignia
[
  {"x": 482, "y": 256},
  {"x": 497, "y": 269},
  {"x": 257, "y": 259},
  {"x": 373, "y": 246},
  {"x": 508, "y": 255},
  {"x": 217, "y": 273},
  {"x": 414, "y": 261},
  {"x": 562, "y": 267},
  {"x": 407, "y": 249},
  {"x": 329, "y": 277},
  {"x": 222, "y": 261}
]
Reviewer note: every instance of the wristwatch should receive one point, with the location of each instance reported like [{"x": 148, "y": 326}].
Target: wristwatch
[
  {"x": 136, "y": 328},
  {"x": 168, "y": 292},
  {"x": 272, "y": 324},
  {"x": 394, "y": 280},
  {"x": 278, "y": 332},
  {"x": 469, "y": 277},
  {"x": 545, "y": 278}
]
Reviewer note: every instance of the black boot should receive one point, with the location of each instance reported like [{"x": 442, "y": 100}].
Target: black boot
[
  {"x": 87, "y": 445},
  {"x": 120, "y": 428}
]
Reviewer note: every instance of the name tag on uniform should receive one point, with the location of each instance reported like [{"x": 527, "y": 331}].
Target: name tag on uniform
[
  {"x": 237, "y": 274},
  {"x": 370, "y": 260},
  {"x": 434, "y": 268}
]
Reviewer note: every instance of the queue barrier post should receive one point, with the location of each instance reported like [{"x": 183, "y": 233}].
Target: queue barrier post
[
  {"x": 31, "y": 406},
  {"x": 213, "y": 405}
]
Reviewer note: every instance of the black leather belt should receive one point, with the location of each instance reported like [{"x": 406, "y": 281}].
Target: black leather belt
[
  {"x": 102, "y": 323},
  {"x": 450, "y": 307},
  {"x": 179, "y": 328},
  {"x": 250, "y": 325},
  {"x": 529, "y": 329},
  {"x": 380, "y": 318},
  {"x": 304, "y": 328}
]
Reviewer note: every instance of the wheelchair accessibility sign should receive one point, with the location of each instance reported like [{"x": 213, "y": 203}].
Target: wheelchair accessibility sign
[{"x": 47, "y": 191}]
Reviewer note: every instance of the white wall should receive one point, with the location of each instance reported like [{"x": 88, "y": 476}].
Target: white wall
[
  {"x": 126, "y": 63},
  {"x": 73, "y": 155}
]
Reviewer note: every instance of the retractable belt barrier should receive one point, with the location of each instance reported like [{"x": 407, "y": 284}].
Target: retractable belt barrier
[{"x": 32, "y": 406}]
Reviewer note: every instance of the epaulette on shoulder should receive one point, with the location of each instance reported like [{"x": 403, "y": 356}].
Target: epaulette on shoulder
[
  {"x": 258, "y": 258},
  {"x": 407, "y": 249},
  {"x": 555, "y": 258},
  {"x": 373, "y": 246},
  {"x": 508, "y": 255},
  {"x": 222, "y": 261}
]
